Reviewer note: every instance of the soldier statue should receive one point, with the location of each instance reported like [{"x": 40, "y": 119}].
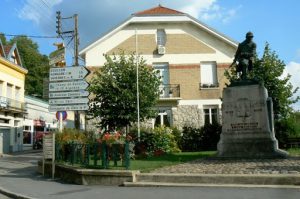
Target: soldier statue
[{"x": 244, "y": 56}]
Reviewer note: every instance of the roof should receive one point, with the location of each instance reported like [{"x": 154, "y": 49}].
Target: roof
[
  {"x": 159, "y": 10},
  {"x": 158, "y": 14},
  {"x": 8, "y": 53}
]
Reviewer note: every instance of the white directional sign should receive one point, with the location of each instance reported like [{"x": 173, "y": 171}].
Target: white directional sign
[
  {"x": 68, "y": 86},
  {"x": 71, "y": 107},
  {"x": 71, "y": 94},
  {"x": 68, "y": 73},
  {"x": 68, "y": 101}
]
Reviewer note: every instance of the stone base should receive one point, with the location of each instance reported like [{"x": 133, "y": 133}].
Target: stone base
[
  {"x": 250, "y": 148},
  {"x": 248, "y": 124}
]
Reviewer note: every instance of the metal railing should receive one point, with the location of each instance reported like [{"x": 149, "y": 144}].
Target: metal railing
[
  {"x": 169, "y": 90},
  {"x": 11, "y": 104},
  {"x": 96, "y": 155}
]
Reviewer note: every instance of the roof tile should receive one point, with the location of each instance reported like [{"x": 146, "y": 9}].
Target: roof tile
[{"x": 159, "y": 10}]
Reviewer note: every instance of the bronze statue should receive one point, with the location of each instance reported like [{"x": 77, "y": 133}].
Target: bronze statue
[{"x": 245, "y": 56}]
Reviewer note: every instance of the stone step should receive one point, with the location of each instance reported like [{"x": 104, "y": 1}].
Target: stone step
[{"x": 259, "y": 179}]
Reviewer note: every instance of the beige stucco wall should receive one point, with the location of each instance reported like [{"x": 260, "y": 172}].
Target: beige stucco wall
[{"x": 216, "y": 49}]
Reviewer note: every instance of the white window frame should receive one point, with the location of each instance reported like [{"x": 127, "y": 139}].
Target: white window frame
[
  {"x": 210, "y": 113},
  {"x": 208, "y": 75},
  {"x": 161, "y": 37}
]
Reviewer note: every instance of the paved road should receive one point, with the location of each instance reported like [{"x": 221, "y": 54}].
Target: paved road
[{"x": 18, "y": 174}]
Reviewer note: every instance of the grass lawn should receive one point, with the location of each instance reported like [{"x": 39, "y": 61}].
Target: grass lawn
[
  {"x": 294, "y": 151},
  {"x": 151, "y": 163}
]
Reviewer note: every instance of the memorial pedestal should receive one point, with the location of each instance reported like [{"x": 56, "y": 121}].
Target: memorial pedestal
[{"x": 247, "y": 124}]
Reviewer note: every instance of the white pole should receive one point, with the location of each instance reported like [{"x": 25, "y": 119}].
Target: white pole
[
  {"x": 60, "y": 121},
  {"x": 137, "y": 86}
]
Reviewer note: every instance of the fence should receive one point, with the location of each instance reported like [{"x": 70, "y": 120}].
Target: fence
[{"x": 98, "y": 155}]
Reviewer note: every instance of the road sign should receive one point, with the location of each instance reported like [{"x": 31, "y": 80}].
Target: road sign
[
  {"x": 68, "y": 86},
  {"x": 48, "y": 146},
  {"x": 68, "y": 101},
  {"x": 63, "y": 113},
  {"x": 57, "y": 56},
  {"x": 68, "y": 73},
  {"x": 72, "y": 107},
  {"x": 71, "y": 94}
]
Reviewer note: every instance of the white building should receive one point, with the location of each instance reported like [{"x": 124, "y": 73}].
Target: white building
[{"x": 190, "y": 56}]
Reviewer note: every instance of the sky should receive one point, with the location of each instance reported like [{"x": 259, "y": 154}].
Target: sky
[{"x": 276, "y": 22}]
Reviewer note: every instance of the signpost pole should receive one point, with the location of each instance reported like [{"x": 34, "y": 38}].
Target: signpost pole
[
  {"x": 60, "y": 121},
  {"x": 76, "y": 43},
  {"x": 53, "y": 153}
]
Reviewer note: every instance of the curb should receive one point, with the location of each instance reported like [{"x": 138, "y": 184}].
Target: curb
[
  {"x": 220, "y": 179},
  {"x": 13, "y": 195},
  {"x": 166, "y": 184}
]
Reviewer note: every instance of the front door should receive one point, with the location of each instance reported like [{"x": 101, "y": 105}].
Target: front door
[{"x": 4, "y": 141}]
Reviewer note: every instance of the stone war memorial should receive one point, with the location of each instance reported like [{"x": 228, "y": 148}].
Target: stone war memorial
[{"x": 247, "y": 113}]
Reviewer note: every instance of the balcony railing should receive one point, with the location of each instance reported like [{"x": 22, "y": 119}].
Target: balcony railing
[
  {"x": 169, "y": 91},
  {"x": 11, "y": 105}
]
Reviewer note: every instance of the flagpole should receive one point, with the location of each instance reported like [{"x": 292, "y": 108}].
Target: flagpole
[{"x": 137, "y": 86}]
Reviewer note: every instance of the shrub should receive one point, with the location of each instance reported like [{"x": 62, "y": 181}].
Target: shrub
[
  {"x": 205, "y": 138},
  {"x": 155, "y": 141},
  {"x": 74, "y": 136}
]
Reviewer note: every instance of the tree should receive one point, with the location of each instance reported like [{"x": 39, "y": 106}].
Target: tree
[
  {"x": 114, "y": 88},
  {"x": 36, "y": 64}
]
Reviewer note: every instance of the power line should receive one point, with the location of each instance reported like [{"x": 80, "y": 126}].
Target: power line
[{"x": 31, "y": 36}]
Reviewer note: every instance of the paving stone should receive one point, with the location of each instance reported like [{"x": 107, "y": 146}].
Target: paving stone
[{"x": 243, "y": 166}]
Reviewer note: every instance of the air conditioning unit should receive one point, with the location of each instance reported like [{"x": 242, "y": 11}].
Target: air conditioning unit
[{"x": 161, "y": 50}]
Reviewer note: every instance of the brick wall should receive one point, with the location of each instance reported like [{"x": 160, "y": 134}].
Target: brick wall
[
  {"x": 175, "y": 44},
  {"x": 188, "y": 76}
]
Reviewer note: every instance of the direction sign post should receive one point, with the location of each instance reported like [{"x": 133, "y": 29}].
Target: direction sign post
[
  {"x": 67, "y": 89},
  {"x": 68, "y": 73},
  {"x": 71, "y": 94},
  {"x": 70, "y": 107},
  {"x": 68, "y": 85}
]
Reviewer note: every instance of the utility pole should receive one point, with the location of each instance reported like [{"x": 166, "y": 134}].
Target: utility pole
[
  {"x": 74, "y": 33},
  {"x": 76, "y": 44}
]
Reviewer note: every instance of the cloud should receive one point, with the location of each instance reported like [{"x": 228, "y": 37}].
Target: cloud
[
  {"x": 208, "y": 10},
  {"x": 293, "y": 68},
  {"x": 98, "y": 16},
  {"x": 37, "y": 10}
]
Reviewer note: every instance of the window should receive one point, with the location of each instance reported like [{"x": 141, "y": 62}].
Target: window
[
  {"x": 17, "y": 93},
  {"x": 163, "y": 118},
  {"x": 1, "y": 88},
  {"x": 161, "y": 37},
  {"x": 9, "y": 91},
  {"x": 211, "y": 115},
  {"x": 208, "y": 74},
  {"x": 163, "y": 74}
]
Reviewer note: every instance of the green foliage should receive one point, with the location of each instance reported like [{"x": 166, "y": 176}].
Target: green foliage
[
  {"x": 154, "y": 162},
  {"x": 114, "y": 87},
  {"x": 205, "y": 138},
  {"x": 155, "y": 142},
  {"x": 3, "y": 39},
  {"x": 36, "y": 64},
  {"x": 74, "y": 136}
]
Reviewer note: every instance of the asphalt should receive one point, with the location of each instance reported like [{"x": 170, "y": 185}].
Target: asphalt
[{"x": 19, "y": 179}]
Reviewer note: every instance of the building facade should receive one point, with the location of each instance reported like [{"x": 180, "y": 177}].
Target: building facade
[
  {"x": 37, "y": 121},
  {"x": 12, "y": 106},
  {"x": 190, "y": 56}
]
